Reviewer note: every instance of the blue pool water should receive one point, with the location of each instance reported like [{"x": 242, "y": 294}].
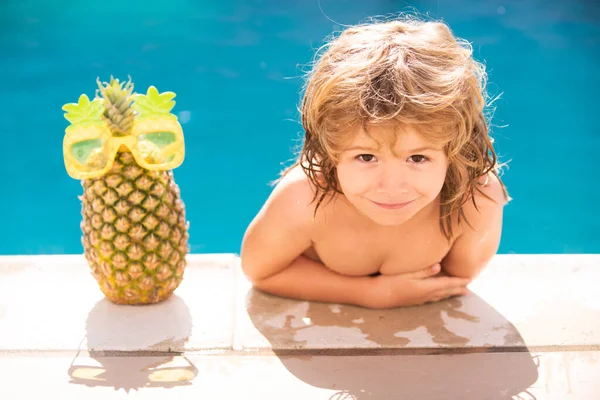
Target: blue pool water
[{"x": 236, "y": 67}]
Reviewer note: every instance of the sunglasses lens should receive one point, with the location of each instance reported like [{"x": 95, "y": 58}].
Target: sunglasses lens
[
  {"x": 151, "y": 147},
  {"x": 160, "y": 139},
  {"x": 90, "y": 154}
]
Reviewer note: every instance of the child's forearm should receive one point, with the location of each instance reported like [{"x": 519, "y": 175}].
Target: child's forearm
[{"x": 310, "y": 280}]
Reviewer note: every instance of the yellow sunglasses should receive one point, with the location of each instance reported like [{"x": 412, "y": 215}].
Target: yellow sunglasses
[{"x": 155, "y": 140}]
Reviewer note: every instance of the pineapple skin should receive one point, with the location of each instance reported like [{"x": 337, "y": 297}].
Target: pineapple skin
[{"x": 135, "y": 234}]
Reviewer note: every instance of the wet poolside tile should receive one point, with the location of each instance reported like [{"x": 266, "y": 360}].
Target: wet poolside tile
[
  {"x": 519, "y": 301},
  {"x": 523, "y": 375}
]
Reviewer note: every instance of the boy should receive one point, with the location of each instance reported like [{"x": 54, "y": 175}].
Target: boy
[{"x": 395, "y": 199}]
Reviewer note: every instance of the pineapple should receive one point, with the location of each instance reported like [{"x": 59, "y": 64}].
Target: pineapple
[{"x": 135, "y": 235}]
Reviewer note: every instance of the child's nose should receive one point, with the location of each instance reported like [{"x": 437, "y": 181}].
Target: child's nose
[{"x": 393, "y": 181}]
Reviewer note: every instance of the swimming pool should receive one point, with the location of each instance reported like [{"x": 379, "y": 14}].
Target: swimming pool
[{"x": 236, "y": 67}]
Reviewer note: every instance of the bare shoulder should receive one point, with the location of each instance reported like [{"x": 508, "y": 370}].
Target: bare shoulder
[
  {"x": 480, "y": 237},
  {"x": 492, "y": 189},
  {"x": 282, "y": 229},
  {"x": 293, "y": 196},
  {"x": 289, "y": 206},
  {"x": 489, "y": 195}
]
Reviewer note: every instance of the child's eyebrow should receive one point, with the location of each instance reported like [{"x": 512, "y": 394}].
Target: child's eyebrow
[
  {"x": 353, "y": 148},
  {"x": 422, "y": 149},
  {"x": 412, "y": 151}
]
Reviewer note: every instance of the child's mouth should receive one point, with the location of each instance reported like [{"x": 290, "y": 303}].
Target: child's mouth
[{"x": 392, "y": 206}]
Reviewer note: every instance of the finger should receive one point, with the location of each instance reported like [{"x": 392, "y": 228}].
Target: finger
[
  {"x": 425, "y": 273},
  {"x": 455, "y": 291},
  {"x": 438, "y": 296},
  {"x": 444, "y": 283}
]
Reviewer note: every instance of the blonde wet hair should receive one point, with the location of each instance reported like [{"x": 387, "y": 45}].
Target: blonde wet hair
[{"x": 401, "y": 72}]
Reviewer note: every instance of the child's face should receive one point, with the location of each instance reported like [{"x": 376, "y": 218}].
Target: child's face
[{"x": 391, "y": 185}]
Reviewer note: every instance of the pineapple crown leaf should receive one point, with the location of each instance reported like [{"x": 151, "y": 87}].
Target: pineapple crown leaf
[
  {"x": 84, "y": 110},
  {"x": 153, "y": 102},
  {"x": 114, "y": 91}
]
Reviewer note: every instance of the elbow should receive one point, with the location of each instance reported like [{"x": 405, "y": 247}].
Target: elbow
[
  {"x": 257, "y": 279},
  {"x": 254, "y": 271},
  {"x": 251, "y": 273},
  {"x": 250, "y": 264}
]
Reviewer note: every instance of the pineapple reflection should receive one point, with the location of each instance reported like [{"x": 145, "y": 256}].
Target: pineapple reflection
[{"x": 131, "y": 347}]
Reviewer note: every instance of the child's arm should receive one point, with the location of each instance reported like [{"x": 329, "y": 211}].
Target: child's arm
[
  {"x": 479, "y": 242},
  {"x": 306, "y": 279},
  {"x": 310, "y": 280},
  {"x": 273, "y": 244},
  {"x": 272, "y": 260}
]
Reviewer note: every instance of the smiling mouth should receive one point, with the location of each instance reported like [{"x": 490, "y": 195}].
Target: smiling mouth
[{"x": 392, "y": 206}]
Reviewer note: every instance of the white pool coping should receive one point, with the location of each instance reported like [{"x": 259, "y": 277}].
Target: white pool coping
[{"x": 52, "y": 303}]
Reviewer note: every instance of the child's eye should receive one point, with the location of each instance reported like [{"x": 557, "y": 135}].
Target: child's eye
[
  {"x": 366, "y": 158},
  {"x": 418, "y": 159}
]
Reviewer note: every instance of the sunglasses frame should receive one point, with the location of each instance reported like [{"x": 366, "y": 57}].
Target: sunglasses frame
[{"x": 113, "y": 145}]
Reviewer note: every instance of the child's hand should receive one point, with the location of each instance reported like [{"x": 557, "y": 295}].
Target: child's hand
[{"x": 415, "y": 288}]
